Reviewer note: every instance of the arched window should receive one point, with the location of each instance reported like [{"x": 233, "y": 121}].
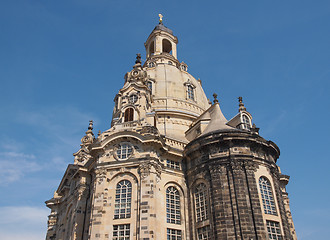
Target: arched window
[
  {"x": 129, "y": 113},
  {"x": 173, "y": 208},
  {"x": 167, "y": 46},
  {"x": 246, "y": 122},
  {"x": 201, "y": 202},
  {"x": 267, "y": 196},
  {"x": 190, "y": 92},
  {"x": 151, "y": 65},
  {"x": 123, "y": 200}
]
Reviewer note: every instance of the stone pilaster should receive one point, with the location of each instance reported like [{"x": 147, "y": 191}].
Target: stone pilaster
[
  {"x": 149, "y": 177},
  {"x": 280, "y": 202}
]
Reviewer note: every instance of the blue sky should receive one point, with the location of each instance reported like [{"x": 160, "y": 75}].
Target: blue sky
[{"x": 62, "y": 62}]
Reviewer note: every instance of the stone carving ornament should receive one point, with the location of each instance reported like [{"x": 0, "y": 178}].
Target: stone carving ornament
[{"x": 100, "y": 174}]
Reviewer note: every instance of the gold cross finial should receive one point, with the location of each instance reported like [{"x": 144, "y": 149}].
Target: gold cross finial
[{"x": 160, "y": 18}]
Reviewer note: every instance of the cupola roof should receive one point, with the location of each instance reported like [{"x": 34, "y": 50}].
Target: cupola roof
[{"x": 161, "y": 27}]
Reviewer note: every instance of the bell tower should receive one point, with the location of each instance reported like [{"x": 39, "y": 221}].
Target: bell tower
[{"x": 161, "y": 41}]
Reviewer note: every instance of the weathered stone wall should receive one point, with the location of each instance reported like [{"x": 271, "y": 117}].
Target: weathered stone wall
[{"x": 229, "y": 163}]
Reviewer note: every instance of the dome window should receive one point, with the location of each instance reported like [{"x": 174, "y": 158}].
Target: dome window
[
  {"x": 151, "y": 65},
  {"x": 190, "y": 92}
]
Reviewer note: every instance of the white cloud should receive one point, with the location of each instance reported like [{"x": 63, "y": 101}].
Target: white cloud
[
  {"x": 14, "y": 165},
  {"x": 55, "y": 130},
  {"x": 23, "y": 222}
]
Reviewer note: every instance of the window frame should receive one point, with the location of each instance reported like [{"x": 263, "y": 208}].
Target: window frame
[
  {"x": 201, "y": 231},
  {"x": 124, "y": 151},
  {"x": 123, "y": 196},
  {"x": 274, "y": 231},
  {"x": 176, "y": 233},
  {"x": 133, "y": 98},
  {"x": 173, "y": 206},
  {"x": 190, "y": 92},
  {"x": 129, "y": 114},
  {"x": 203, "y": 203},
  {"x": 267, "y": 195},
  {"x": 121, "y": 237},
  {"x": 246, "y": 122}
]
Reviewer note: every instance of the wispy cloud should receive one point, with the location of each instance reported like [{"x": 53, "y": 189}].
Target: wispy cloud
[
  {"x": 14, "y": 165},
  {"x": 60, "y": 122},
  {"x": 275, "y": 123},
  {"x": 54, "y": 134},
  {"x": 23, "y": 222}
]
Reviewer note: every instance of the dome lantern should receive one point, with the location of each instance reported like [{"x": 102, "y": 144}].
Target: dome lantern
[{"x": 161, "y": 41}]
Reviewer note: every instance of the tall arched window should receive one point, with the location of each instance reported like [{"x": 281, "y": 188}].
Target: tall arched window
[
  {"x": 123, "y": 199},
  {"x": 201, "y": 202},
  {"x": 173, "y": 208},
  {"x": 129, "y": 113},
  {"x": 267, "y": 196},
  {"x": 190, "y": 92}
]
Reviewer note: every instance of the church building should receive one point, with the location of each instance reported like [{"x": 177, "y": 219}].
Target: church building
[{"x": 171, "y": 166}]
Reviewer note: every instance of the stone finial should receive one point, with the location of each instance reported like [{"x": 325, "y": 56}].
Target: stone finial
[
  {"x": 99, "y": 133},
  {"x": 215, "y": 98},
  {"x": 254, "y": 129},
  {"x": 89, "y": 137},
  {"x": 138, "y": 58},
  {"x": 160, "y": 18},
  {"x": 241, "y": 105},
  {"x": 90, "y": 126}
]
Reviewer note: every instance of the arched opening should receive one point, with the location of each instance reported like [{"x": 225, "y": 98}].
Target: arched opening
[
  {"x": 129, "y": 114},
  {"x": 152, "y": 48},
  {"x": 246, "y": 122},
  {"x": 167, "y": 46}
]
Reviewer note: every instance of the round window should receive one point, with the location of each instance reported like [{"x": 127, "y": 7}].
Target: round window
[{"x": 124, "y": 151}]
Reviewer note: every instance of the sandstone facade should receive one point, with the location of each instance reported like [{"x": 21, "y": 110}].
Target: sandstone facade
[{"x": 171, "y": 166}]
